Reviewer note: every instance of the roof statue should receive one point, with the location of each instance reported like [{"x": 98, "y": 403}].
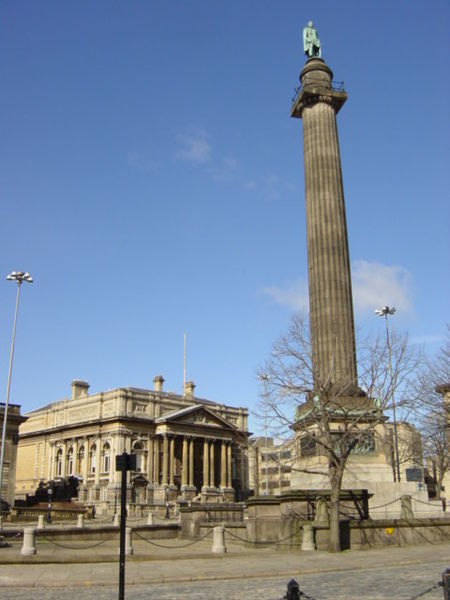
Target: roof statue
[{"x": 311, "y": 42}]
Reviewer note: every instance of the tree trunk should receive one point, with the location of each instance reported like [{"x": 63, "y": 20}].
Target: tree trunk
[{"x": 335, "y": 537}]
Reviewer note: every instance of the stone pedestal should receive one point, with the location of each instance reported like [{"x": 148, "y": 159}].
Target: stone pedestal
[
  {"x": 219, "y": 540},
  {"x": 308, "y": 538},
  {"x": 29, "y": 547}
]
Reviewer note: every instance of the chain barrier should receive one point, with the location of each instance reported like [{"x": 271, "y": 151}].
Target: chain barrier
[
  {"x": 256, "y": 542},
  {"x": 383, "y": 505},
  {"x": 434, "y": 587},
  {"x": 429, "y": 503},
  {"x": 67, "y": 547},
  {"x": 94, "y": 521},
  {"x": 171, "y": 547}
]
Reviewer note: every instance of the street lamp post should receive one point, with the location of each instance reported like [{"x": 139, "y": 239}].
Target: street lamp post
[
  {"x": 384, "y": 312},
  {"x": 49, "y": 509},
  {"x": 265, "y": 379},
  {"x": 19, "y": 277}
]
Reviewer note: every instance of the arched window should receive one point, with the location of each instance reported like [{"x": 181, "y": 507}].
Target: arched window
[
  {"x": 59, "y": 455},
  {"x": 93, "y": 459},
  {"x": 106, "y": 458},
  {"x": 138, "y": 449},
  {"x": 70, "y": 461}
]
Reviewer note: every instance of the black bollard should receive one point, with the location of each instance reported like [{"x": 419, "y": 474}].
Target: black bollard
[{"x": 293, "y": 591}]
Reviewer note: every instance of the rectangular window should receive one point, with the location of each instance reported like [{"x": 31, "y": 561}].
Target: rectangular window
[{"x": 308, "y": 446}]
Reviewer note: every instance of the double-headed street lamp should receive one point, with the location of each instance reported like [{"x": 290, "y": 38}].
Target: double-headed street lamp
[
  {"x": 384, "y": 312},
  {"x": 19, "y": 277}
]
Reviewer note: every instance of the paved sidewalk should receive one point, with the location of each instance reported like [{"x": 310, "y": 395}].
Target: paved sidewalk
[{"x": 97, "y": 565}]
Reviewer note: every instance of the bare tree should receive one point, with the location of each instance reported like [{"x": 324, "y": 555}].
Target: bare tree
[
  {"x": 434, "y": 413},
  {"x": 331, "y": 422}
]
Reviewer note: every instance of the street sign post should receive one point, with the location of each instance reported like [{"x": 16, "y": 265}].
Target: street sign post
[{"x": 124, "y": 462}]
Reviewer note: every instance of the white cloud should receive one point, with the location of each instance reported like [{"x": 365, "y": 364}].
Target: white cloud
[
  {"x": 225, "y": 170},
  {"x": 195, "y": 148},
  {"x": 375, "y": 285},
  {"x": 294, "y": 296},
  {"x": 270, "y": 185}
]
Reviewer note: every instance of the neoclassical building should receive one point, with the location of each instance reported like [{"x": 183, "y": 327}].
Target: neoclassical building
[
  {"x": 184, "y": 445},
  {"x": 14, "y": 419}
]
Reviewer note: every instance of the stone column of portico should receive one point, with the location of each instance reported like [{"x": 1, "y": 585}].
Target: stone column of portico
[
  {"x": 191, "y": 462},
  {"x": 150, "y": 460},
  {"x": 172, "y": 461},
  {"x": 63, "y": 459},
  {"x": 229, "y": 481},
  {"x": 205, "y": 463},
  {"x": 330, "y": 289},
  {"x": 165, "y": 465},
  {"x": 156, "y": 444},
  {"x": 51, "y": 461},
  {"x": 75, "y": 470},
  {"x": 185, "y": 467},
  {"x": 211, "y": 466},
  {"x": 84, "y": 468},
  {"x": 223, "y": 465},
  {"x": 98, "y": 459}
]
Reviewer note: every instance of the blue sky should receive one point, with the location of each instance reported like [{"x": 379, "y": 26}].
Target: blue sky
[{"x": 151, "y": 181}]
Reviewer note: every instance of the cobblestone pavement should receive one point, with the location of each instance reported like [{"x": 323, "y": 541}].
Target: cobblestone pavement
[{"x": 387, "y": 583}]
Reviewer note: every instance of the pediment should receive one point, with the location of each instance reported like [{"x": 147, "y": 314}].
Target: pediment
[{"x": 199, "y": 416}]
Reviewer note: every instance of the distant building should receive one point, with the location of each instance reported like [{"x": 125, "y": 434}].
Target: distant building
[
  {"x": 270, "y": 465},
  {"x": 184, "y": 445},
  {"x": 14, "y": 419}
]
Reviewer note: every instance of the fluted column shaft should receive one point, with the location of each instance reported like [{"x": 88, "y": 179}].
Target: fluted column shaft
[
  {"x": 205, "y": 463},
  {"x": 165, "y": 470},
  {"x": 185, "y": 467},
  {"x": 212, "y": 475},
  {"x": 191, "y": 462},
  {"x": 229, "y": 481},
  {"x": 223, "y": 465},
  {"x": 330, "y": 290},
  {"x": 156, "y": 449},
  {"x": 150, "y": 460},
  {"x": 172, "y": 461}
]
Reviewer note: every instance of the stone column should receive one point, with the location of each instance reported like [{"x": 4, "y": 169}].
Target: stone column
[
  {"x": 191, "y": 462},
  {"x": 84, "y": 471},
  {"x": 76, "y": 470},
  {"x": 150, "y": 460},
  {"x": 156, "y": 445},
  {"x": 165, "y": 469},
  {"x": 205, "y": 463},
  {"x": 63, "y": 459},
  {"x": 98, "y": 460},
  {"x": 229, "y": 480},
  {"x": 185, "y": 469},
  {"x": 211, "y": 465},
  {"x": 330, "y": 289},
  {"x": 172, "y": 461},
  {"x": 115, "y": 450},
  {"x": 223, "y": 464},
  {"x": 51, "y": 463}
]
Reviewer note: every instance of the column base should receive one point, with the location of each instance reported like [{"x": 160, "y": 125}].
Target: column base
[
  {"x": 188, "y": 492},
  {"x": 228, "y": 493}
]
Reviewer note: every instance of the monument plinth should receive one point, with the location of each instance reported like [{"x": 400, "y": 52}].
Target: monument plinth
[{"x": 330, "y": 288}]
